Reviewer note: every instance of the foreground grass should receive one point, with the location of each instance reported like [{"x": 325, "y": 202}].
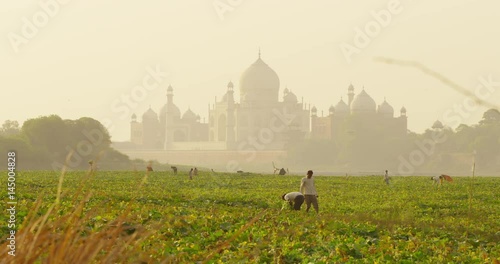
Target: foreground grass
[{"x": 125, "y": 217}]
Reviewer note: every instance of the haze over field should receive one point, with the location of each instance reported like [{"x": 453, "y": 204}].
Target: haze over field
[
  {"x": 181, "y": 131},
  {"x": 89, "y": 54}
]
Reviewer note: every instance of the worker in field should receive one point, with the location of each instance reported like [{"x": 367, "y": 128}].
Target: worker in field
[
  {"x": 308, "y": 189},
  {"x": 191, "y": 172},
  {"x": 149, "y": 167},
  {"x": 441, "y": 178},
  {"x": 386, "y": 177},
  {"x": 437, "y": 180},
  {"x": 195, "y": 172},
  {"x": 294, "y": 199}
]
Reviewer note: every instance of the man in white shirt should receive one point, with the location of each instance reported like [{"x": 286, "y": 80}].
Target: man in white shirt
[
  {"x": 309, "y": 190},
  {"x": 295, "y": 199}
]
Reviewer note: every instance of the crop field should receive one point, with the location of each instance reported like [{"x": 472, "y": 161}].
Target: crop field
[{"x": 131, "y": 217}]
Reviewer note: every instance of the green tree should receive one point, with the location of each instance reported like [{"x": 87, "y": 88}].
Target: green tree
[
  {"x": 52, "y": 138},
  {"x": 27, "y": 157},
  {"x": 47, "y": 132},
  {"x": 9, "y": 128},
  {"x": 491, "y": 116}
]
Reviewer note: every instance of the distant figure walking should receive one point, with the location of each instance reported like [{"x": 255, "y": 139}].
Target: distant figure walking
[
  {"x": 195, "y": 171},
  {"x": 309, "y": 190},
  {"x": 191, "y": 174},
  {"x": 294, "y": 199},
  {"x": 174, "y": 169},
  {"x": 386, "y": 177},
  {"x": 149, "y": 167}
]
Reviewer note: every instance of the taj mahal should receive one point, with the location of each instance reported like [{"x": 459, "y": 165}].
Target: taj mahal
[{"x": 262, "y": 115}]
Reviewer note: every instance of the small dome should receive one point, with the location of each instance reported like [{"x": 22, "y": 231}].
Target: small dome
[
  {"x": 314, "y": 109},
  {"x": 149, "y": 115},
  {"x": 290, "y": 98},
  {"x": 133, "y": 117},
  {"x": 331, "y": 109},
  {"x": 189, "y": 115},
  {"x": 403, "y": 110},
  {"x": 341, "y": 107},
  {"x": 230, "y": 85},
  {"x": 286, "y": 91},
  {"x": 437, "y": 125},
  {"x": 170, "y": 88},
  {"x": 363, "y": 103},
  {"x": 351, "y": 87},
  {"x": 386, "y": 109}
]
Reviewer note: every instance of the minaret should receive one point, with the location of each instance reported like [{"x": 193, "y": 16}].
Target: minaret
[
  {"x": 350, "y": 94},
  {"x": 331, "y": 117},
  {"x": 314, "y": 111},
  {"x": 403, "y": 111},
  {"x": 230, "y": 125},
  {"x": 404, "y": 121},
  {"x": 331, "y": 110},
  {"x": 134, "y": 126},
  {"x": 169, "y": 118},
  {"x": 170, "y": 95},
  {"x": 314, "y": 121}
]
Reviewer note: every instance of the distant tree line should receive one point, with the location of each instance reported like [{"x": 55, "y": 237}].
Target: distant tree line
[
  {"x": 439, "y": 149},
  {"x": 45, "y": 142}
]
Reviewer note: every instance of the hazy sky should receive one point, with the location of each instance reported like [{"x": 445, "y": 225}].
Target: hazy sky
[{"x": 87, "y": 55}]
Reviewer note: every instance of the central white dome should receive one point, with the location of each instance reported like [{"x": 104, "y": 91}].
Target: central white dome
[{"x": 259, "y": 83}]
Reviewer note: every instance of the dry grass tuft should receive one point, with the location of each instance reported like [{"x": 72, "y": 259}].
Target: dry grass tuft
[{"x": 56, "y": 238}]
